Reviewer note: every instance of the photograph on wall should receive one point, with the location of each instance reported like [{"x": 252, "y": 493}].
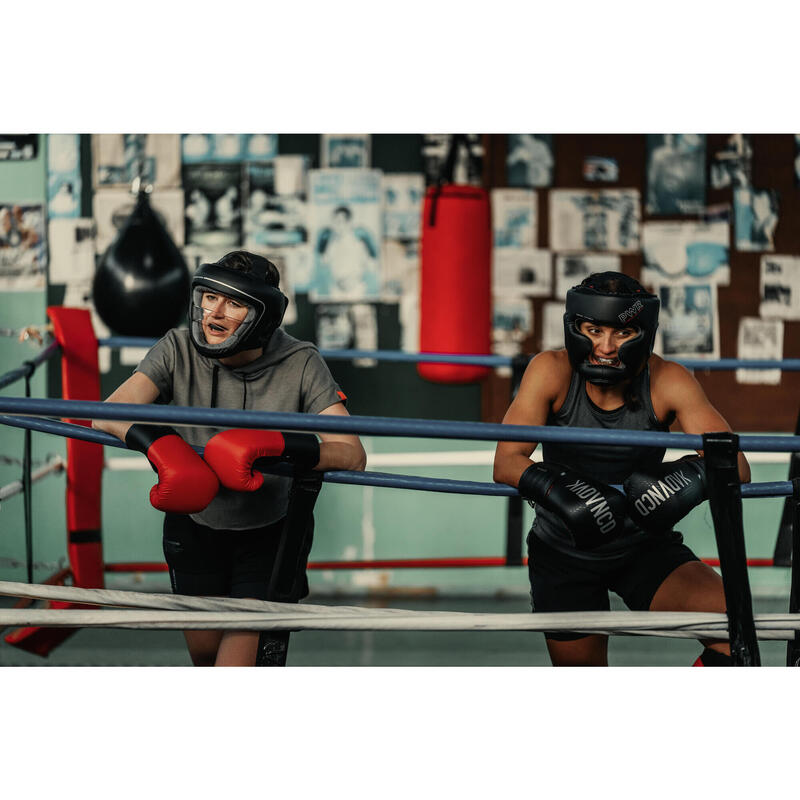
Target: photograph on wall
[
  {"x": 71, "y": 246},
  {"x": 23, "y": 253},
  {"x": 112, "y": 207},
  {"x": 759, "y": 339},
  {"x": 212, "y": 198},
  {"x": 685, "y": 251},
  {"x": 346, "y": 150},
  {"x": 19, "y": 147},
  {"x": 607, "y": 219},
  {"x": 199, "y": 148},
  {"x": 512, "y": 324},
  {"x": 688, "y": 323},
  {"x": 779, "y": 286},
  {"x": 676, "y": 173},
  {"x": 525, "y": 272},
  {"x": 63, "y": 175},
  {"x": 345, "y": 234},
  {"x": 291, "y": 175},
  {"x": 553, "y": 326},
  {"x": 347, "y": 326},
  {"x": 436, "y": 146},
  {"x": 755, "y": 216},
  {"x": 572, "y": 268},
  {"x": 270, "y": 219},
  {"x": 278, "y": 258},
  {"x": 399, "y": 259},
  {"x": 733, "y": 165},
  {"x": 514, "y": 218},
  {"x": 529, "y": 159},
  {"x": 403, "y": 195},
  {"x": 600, "y": 169},
  {"x": 118, "y": 158}
]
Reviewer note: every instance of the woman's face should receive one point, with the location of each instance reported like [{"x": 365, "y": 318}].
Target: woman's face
[{"x": 222, "y": 316}]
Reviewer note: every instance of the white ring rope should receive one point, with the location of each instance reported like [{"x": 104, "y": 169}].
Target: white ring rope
[
  {"x": 55, "y": 464},
  {"x": 282, "y": 616}
]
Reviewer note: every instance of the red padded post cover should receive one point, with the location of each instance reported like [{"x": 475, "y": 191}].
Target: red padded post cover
[
  {"x": 455, "y": 280},
  {"x": 80, "y": 380}
]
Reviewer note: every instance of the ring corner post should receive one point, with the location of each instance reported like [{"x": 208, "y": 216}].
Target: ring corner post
[
  {"x": 793, "y": 645},
  {"x": 721, "y": 452}
]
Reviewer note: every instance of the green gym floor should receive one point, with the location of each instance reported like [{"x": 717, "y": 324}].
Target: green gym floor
[{"x": 117, "y": 647}]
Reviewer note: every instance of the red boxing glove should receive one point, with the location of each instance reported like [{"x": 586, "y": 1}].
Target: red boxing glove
[
  {"x": 186, "y": 484},
  {"x": 232, "y": 455}
]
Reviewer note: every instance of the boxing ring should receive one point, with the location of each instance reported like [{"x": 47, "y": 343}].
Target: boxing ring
[{"x": 68, "y": 605}]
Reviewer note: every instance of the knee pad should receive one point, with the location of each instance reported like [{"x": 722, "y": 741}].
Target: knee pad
[
  {"x": 713, "y": 658},
  {"x": 273, "y": 647}
]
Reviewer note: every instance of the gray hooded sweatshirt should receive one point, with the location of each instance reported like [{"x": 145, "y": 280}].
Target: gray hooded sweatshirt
[{"x": 290, "y": 375}]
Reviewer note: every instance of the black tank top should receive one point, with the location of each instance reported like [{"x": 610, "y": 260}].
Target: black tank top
[{"x": 610, "y": 464}]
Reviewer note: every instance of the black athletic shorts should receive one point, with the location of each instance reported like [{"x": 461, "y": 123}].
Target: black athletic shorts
[
  {"x": 564, "y": 582},
  {"x": 225, "y": 563}
]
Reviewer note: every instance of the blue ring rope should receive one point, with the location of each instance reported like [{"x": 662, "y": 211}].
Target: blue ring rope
[
  {"x": 380, "y": 479},
  {"x": 376, "y": 426},
  {"x": 28, "y": 368},
  {"x": 787, "y": 364}
]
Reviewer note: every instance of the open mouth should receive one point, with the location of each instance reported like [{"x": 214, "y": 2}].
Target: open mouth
[
  {"x": 605, "y": 362},
  {"x": 213, "y": 329}
]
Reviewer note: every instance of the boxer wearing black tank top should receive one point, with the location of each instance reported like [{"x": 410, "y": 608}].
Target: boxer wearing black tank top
[{"x": 588, "y": 538}]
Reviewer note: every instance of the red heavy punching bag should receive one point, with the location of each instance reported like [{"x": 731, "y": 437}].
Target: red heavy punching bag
[{"x": 455, "y": 281}]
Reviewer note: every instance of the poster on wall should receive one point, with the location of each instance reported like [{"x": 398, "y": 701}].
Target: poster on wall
[
  {"x": 71, "y": 244},
  {"x": 600, "y": 169},
  {"x": 348, "y": 326},
  {"x": 63, "y": 176},
  {"x": 759, "y": 339},
  {"x": 118, "y": 158},
  {"x": 733, "y": 165},
  {"x": 553, "y": 326},
  {"x": 403, "y": 194},
  {"x": 19, "y": 147},
  {"x": 685, "y": 251},
  {"x": 688, "y": 324},
  {"x": 755, "y": 215},
  {"x": 514, "y": 218},
  {"x": 271, "y": 219},
  {"x": 345, "y": 234},
  {"x": 779, "y": 285},
  {"x": 529, "y": 159},
  {"x": 212, "y": 197},
  {"x": 23, "y": 255},
  {"x": 512, "y": 324},
  {"x": 112, "y": 207},
  {"x": 398, "y": 260},
  {"x": 676, "y": 167},
  {"x": 347, "y": 150},
  {"x": 435, "y": 147},
  {"x": 595, "y": 220},
  {"x": 572, "y": 268},
  {"x": 525, "y": 272},
  {"x": 220, "y": 148}
]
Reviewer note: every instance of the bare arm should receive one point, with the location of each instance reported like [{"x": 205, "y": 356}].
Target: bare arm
[
  {"x": 679, "y": 389},
  {"x": 137, "y": 389},
  {"x": 340, "y": 450},
  {"x": 541, "y": 383}
]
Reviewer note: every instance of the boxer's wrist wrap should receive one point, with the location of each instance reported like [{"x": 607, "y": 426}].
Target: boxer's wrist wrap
[
  {"x": 302, "y": 449},
  {"x": 140, "y": 437}
]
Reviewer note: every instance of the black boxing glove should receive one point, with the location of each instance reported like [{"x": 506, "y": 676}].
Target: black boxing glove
[
  {"x": 658, "y": 499},
  {"x": 594, "y": 512}
]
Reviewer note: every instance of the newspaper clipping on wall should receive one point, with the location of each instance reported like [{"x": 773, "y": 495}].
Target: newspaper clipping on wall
[
  {"x": 512, "y": 323},
  {"x": 676, "y": 173},
  {"x": 595, "y": 220},
  {"x": 529, "y": 159},
  {"x": 685, "y": 251},
  {"x": 553, "y": 326},
  {"x": 23, "y": 254},
  {"x": 347, "y": 150},
  {"x": 403, "y": 195},
  {"x": 779, "y": 285},
  {"x": 572, "y": 268},
  {"x": 523, "y": 272},
  {"x": 688, "y": 325},
  {"x": 759, "y": 339}
]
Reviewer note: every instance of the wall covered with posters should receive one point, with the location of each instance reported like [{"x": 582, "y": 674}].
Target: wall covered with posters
[{"x": 706, "y": 221}]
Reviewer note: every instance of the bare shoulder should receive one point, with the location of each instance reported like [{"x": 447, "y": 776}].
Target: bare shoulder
[
  {"x": 550, "y": 371},
  {"x": 672, "y": 386}
]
